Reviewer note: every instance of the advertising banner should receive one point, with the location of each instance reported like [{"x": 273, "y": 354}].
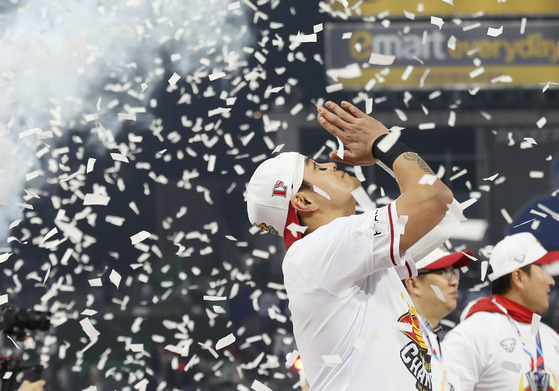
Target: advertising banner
[
  {"x": 426, "y": 55},
  {"x": 426, "y": 8}
]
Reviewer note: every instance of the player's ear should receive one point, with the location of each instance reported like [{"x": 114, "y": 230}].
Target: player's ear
[
  {"x": 518, "y": 278},
  {"x": 411, "y": 285},
  {"x": 303, "y": 202}
]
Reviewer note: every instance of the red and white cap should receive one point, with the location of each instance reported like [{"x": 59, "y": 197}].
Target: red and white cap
[
  {"x": 269, "y": 194},
  {"x": 441, "y": 258},
  {"x": 516, "y": 251}
]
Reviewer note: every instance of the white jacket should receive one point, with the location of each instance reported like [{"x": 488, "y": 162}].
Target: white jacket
[{"x": 488, "y": 354}]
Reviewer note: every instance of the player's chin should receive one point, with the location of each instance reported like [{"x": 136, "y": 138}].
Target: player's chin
[{"x": 355, "y": 181}]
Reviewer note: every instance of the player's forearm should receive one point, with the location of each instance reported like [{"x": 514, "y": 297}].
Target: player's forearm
[
  {"x": 423, "y": 202},
  {"x": 410, "y": 169}
]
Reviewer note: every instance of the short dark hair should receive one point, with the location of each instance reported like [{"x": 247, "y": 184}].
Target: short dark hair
[
  {"x": 504, "y": 284},
  {"x": 305, "y": 186}
]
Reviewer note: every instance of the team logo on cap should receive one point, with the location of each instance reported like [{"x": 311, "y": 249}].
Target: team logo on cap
[
  {"x": 280, "y": 189},
  {"x": 266, "y": 227}
]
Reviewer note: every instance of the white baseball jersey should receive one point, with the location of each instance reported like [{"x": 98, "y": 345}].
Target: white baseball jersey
[
  {"x": 354, "y": 323},
  {"x": 485, "y": 350},
  {"x": 443, "y": 379}
]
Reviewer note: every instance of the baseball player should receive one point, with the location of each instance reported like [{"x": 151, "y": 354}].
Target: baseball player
[
  {"x": 354, "y": 324},
  {"x": 434, "y": 292},
  {"x": 501, "y": 344}
]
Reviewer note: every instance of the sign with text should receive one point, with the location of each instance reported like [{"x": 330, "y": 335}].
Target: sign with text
[
  {"x": 497, "y": 53},
  {"x": 426, "y": 8}
]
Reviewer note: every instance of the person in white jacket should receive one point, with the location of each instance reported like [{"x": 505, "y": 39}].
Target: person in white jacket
[
  {"x": 434, "y": 292},
  {"x": 354, "y": 324},
  {"x": 501, "y": 344}
]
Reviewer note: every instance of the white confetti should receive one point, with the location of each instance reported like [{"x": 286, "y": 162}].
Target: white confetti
[
  {"x": 3, "y": 299},
  {"x": 522, "y": 25},
  {"x": 139, "y": 237},
  {"x": 427, "y": 179},
  {"x": 4, "y": 257},
  {"x": 260, "y": 253},
  {"x": 90, "y": 165},
  {"x": 257, "y": 386},
  {"x": 291, "y": 358},
  {"x": 295, "y": 228},
  {"x": 216, "y": 75},
  {"x": 334, "y": 88},
  {"x": 321, "y": 192},
  {"x": 95, "y": 282},
  {"x": 174, "y": 79},
  {"x": 451, "y": 43},
  {"x": 493, "y": 32},
  {"x": 359, "y": 173},
  {"x": 471, "y": 26},
  {"x": 115, "y": 278},
  {"x": 452, "y": 119},
  {"x": 225, "y": 341},
  {"x": 363, "y": 199},
  {"x": 96, "y": 199},
  {"x": 437, "y": 21},
  {"x": 484, "y": 268},
  {"x": 476, "y": 72},
  {"x": 506, "y": 216},
  {"x": 87, "y": 326},
  {"x": 537, "y": 174},
  {"x": 541, "y": 122},
  {"x": 491, "y": 178},
  {"x": 426, "y": 126},
  {"x": 351, "y": 71},
  {"x": 340, "y": 152},
  {"x": 368, "y": 105},
  {"x": 407, "y": 72},
  {"x": 381, "y": 59},
  {"x": 234, "y": 6},
  {"x": 215, "y": 298},
  {"x": 438, "y": 292}
]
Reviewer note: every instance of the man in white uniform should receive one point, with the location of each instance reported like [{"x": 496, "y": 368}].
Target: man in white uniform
[
  {"x": 354, "y": 324},
  {"x": 501, "y": 345},
  {"x": 434, "y": 292}
]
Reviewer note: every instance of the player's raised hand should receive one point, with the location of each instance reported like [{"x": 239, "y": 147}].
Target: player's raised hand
[{"x": 357, "y": 130}]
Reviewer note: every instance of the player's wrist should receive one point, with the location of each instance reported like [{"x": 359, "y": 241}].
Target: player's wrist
[{"x": 389, "y": 156}]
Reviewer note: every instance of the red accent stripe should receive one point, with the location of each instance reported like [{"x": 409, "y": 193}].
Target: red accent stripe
[
  {"x": 409, "y": 269},
  {"x": 391, "y": 235}
]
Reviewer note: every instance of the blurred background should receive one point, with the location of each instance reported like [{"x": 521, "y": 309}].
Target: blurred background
[{"x": 129, "y": 129}]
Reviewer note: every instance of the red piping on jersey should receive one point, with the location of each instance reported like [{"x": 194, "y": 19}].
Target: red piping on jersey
[
  {"x": 391, "y": 236},
  {"x": 409, "y": 269}
]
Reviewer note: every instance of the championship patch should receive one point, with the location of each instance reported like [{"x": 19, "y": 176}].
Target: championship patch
[{"x": 415, "y": 355}]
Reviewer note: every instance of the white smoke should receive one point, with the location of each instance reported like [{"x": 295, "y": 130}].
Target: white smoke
[{"x": 73, "y": 64}]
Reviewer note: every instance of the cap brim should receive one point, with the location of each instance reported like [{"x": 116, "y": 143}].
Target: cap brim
[
  {"x": 550, "y": 257},
  {"x": 292, "y": 218},
  {"x": 458, "y": 260}
]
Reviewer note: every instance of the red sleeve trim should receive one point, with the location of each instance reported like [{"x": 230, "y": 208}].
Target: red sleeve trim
[{"x": 391, "y": 235}]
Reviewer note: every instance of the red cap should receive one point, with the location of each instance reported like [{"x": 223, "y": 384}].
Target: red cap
[{"x": 440, "y": 258}]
